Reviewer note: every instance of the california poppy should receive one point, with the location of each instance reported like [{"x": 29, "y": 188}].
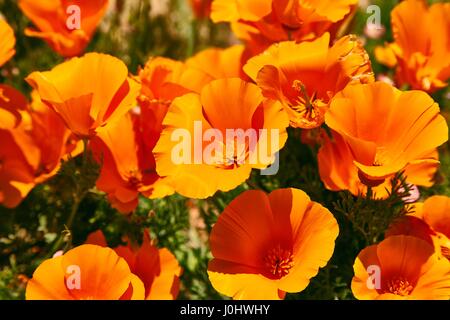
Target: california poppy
[
  {"x": 164, "y": 79},
  {"x": 385, "y": 54},
  {"x": 411, "y": 225},
  {"x": 7, "y": 42},
  {"x": 263, "y": 23},
  {"x": 362, "y": 152},
  {"x": 87, "y": 272},
  {"x": 430, "y": 222},
  {"x": 294, "y": 13},
  {"x": 219, "y": 63},
  {"x": 157, "y": 268},
  {"x": 211, "y": 141},
  {"x": 87, "y": 92},
  {"x": 19, "y": 159},
  {"x": 235, "y": 10},
  {"x": 51, "y": 136},
  {"x": 12, "y": 102},
  {"x": 421, "y": 47},
  {"x": 265, "y": 245},
  {"x": 66, "y": 25},
  {"x": 436, "y": 213},
  {"x": 127, "y": 165},
  {"x": 34, "y": 141},
  {"x": 401, "y": 267},
  {"x": 305, "y": 76},
  {"x": 128, "y": 168}
]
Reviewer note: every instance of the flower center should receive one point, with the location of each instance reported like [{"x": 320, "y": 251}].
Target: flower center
[
  {"x": 310, "y": 110},
  {"x": 279, "y": 261},
  {"x": 231, "y": 154},
  {"x": 444, "y": 245},
  {"x": 303, "y": 94},
  {"x": 134, "y": 178},
  {"x": 399, "y": 286},
  {"x": 147, "y": 102},
  {"x": 445, "y": 252}
]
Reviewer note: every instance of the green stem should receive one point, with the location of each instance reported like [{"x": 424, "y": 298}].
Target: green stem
[
  {"x": 73, "y": 211},
  {"x": 192, "y": 39},
  {"x": 78, "y": 196},
  {"x": 68, "y": 225},
  {"x": 369, "y": 193}
]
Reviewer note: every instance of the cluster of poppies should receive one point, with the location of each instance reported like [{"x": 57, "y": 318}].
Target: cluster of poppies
[{"x": 295, "y": 68}]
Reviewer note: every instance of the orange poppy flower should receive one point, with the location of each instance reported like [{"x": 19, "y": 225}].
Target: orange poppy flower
[
  {"x": 235, "y": 10},
  {"x": 157, "y": 268},
  {"x": 430, "y": 222},
  {"x": 219, "y": 63},
  {"x": 260, "y": 35},
  {"x": 436, "y": 213},
  {"x": 211, "y": 141},
  {"x": 401, "y": 267},
  {"x": 87, "y": 92},
  {"x": 66, "y": 25},
  {"x": 11, "y": 103},
  {"x": 164, "y": 79},
  {"x": 385, "y": 55},
  {"x": 292, "y": 13},
  {"x": 263, "y": 23},
  {"x": 266, "y": 245},
  {"x": 411, "y": 225},
  {"x": 362, "y": 152},
  {"x": 7, "y": 42},
  {"x": 128, "y": 166},
  {"x": 305, "y": 76},
  {"x": 423, "y": 55},
  {"x": 308, "y": 19},
  {"x": 87, "y": 272},
  {"x": 51, "y": 136},
  {"x": 34, "y": 141},
  {"x": 19, "y": 160}
]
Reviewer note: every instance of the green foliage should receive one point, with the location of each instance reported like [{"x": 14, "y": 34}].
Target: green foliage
[{"x": 371, "y": 216}]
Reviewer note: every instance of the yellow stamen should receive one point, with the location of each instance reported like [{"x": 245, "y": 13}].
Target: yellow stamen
[
  {"x": 399, "y": 286},
  {"x": 279, "y": 261}
]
